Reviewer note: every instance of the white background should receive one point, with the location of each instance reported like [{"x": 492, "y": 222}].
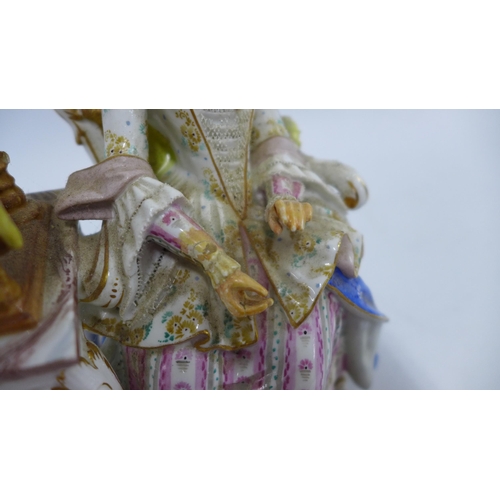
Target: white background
[{"x": 430, "y": 226}]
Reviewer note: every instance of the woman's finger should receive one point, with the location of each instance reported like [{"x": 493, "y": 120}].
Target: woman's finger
[
  {"x": 308, "y": 211},
  {"x": 243, "y": 282},
  {"x": 282, "y": 207},
  {"x": 242, "y": 309},
  {"x": 273, "y": 221}
]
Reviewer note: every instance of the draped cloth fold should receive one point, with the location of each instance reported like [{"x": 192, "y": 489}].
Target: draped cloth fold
[{"x": 90, "y": 193}]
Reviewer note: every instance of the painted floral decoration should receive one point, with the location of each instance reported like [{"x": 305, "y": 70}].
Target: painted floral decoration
[{"x": 305, "y": 364}]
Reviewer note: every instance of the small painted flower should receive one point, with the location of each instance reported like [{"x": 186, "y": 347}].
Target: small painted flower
[
  {"x": 195, "y": 317},
  {"x": 187, "y": 327},
  {"x": 183, "y": 115},
  {"x": 193, "y": 136},
  {"x": 305, "y": 330},
  {"x": 184, "y": 354},
  {"x": 170, "y": 216},
  {"x": 173, "y": 325},
  {"x": 305, "y": 364},
  {"x": 304, "y": 244}
]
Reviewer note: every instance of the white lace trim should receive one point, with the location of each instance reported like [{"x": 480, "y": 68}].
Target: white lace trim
[{"x": 228, "y": 135}]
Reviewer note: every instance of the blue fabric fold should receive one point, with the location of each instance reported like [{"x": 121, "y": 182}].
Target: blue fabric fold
[{"x": 355, "y": 291}]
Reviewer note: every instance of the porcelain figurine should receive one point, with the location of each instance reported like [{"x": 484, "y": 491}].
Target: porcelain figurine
[
  {"x": 236, "y": 183},
  {"x": 225, "y": 258}
]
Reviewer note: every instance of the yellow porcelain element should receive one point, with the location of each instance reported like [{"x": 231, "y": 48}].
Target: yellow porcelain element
[
  {"x": 243, "y": 296},
  {"x": 288, "y": 213},
  {"x": 13, "y": 197},
  {"x": 202, "y": 248},
  {"x": 9, "y": 233},
  {"x": 161, "y": 153},
  {"x": 11, "y": 237},
  {"x": 292, "y": 129},
  {"x": 197, "y": 244}
]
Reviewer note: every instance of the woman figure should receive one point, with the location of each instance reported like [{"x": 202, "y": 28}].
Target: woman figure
[{"x": 177, "y": 277}]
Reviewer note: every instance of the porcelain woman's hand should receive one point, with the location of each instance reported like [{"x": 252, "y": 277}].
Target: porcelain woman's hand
[
  {"x": 289, "y": 213},
  {"x": 243, "y": 296}
]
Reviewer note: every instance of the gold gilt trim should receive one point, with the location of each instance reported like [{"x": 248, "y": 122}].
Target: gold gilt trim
[
  {"x": 79, "y": 135},
  {"x": 61, "y": 378},
  {"x": 246, "y": 269},
  {"x": 352, "y": 203},
  {"x": 196, "y": 345},
  {"x": 121, "y": 298},
  {"x": 94, "y": 352},
  {"x": 105, "y": 271},
  {"x": 86, "y": 114},
  {"x": 228, "y": 198},
  {"x": 247, "y": 154},
  {"x": 90, "y": 363}
]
